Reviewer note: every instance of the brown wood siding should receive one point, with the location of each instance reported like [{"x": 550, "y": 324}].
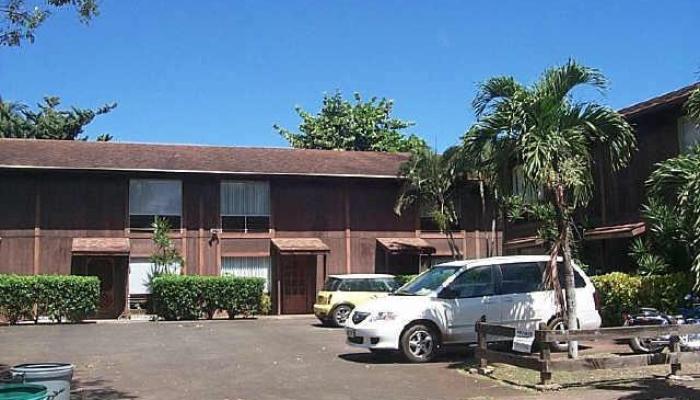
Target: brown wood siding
[
  {"x": 372, "y": 208},
  {"x": 17, "y": 255},
  {"x": 307, "y": 205},
  {"x": 17, "y": 202}
]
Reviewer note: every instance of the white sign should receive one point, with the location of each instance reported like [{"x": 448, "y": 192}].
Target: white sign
[{"x": 523, "y": 340}]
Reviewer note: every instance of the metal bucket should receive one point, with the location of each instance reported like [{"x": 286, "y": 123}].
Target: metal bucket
[
  {"x": 55, "y": 376},
  {"x": 19, "y": 391}
]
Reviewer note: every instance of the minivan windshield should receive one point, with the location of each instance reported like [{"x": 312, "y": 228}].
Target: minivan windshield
[{"x": 427, "y": 282}]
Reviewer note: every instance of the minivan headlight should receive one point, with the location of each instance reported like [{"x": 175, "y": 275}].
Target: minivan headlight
[{"x": 383, "y": 316}]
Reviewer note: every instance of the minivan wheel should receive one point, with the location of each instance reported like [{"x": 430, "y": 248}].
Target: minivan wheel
[
  {"x": 340, "y": 314},
  {"x": 558, "y": 324},
  {"x": 419, "y": 343}
]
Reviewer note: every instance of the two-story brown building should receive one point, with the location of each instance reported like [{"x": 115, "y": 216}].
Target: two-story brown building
[
  {"x": 613, "y": 218},
  {"x": 289, "y": 216}
]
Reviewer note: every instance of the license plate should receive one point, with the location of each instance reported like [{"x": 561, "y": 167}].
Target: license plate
[{"x": 351, "y": 333}]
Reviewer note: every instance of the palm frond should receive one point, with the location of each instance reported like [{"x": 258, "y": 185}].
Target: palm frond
[{"x": 558, "y": 82}]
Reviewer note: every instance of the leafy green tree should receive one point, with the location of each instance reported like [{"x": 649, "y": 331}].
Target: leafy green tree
[
  {"x": 431, "y": 181},
  {"x": 342, "y": 125},
  {"x": 165, "y": 258},
  {"x": 554, "y": 140},
  {"x": 672, "y": 214},
  {"x": 48, "y": 122},
  {"x": 20, "y": 22}
]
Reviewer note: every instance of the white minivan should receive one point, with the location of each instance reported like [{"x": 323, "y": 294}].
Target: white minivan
[{"x": 441, "y": 305}]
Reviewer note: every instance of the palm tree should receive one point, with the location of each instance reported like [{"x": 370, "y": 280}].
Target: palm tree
[
  {"x": 431, "y": 181},
  {"x": 555, "y": 142},
  {"x": 673, "y": 211}
]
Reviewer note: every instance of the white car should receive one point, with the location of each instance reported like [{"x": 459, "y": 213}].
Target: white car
[{"x": 441, "y": 306}]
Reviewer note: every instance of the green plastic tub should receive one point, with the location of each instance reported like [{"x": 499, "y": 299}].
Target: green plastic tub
[{"x": 20, "y": 391}]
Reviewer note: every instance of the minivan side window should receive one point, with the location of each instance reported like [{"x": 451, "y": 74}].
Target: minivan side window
[
  {"x": 521, "y": 278},
  {"x": 474, "y": 282}
]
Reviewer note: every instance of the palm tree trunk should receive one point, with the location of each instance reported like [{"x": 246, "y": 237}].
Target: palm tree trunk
[{"x": 570, "y": 290}]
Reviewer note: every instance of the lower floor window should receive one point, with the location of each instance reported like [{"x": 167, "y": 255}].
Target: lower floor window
[
  {"x": 249, "y": 267},
  {"x": 140, "y": 272}
]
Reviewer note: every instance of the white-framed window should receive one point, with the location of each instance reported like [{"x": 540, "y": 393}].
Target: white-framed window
[
  {"x": 688, "y": 134},
  {"x": 248, "y": 267},
  {"x": 149, "y": 198},
  {"x": 245, "y": 206}
]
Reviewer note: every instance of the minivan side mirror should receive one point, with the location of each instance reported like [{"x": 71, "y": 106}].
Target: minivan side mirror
[{"x": 447, "y": 293}]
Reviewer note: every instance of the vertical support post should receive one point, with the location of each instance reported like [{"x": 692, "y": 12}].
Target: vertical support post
[
  {"x": 675, "y": 360},
  {"x": 481, "y": 337},
  {"x": 545, "y": 356}
]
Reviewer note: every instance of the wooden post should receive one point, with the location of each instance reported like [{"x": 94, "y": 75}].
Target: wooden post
[
  {"x": 545, "y": 357},
  {"x": 481, "y": 336},
  {"x": 675, "y": 360}
]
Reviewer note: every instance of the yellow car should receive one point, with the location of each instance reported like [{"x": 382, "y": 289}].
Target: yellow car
[{"x": 341, "y": 293}]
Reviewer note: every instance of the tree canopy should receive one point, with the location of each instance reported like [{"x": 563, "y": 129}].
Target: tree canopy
[
  {"x": 48, "y": 122},
  {"x": 554, "y": 141},
  {"x": 20, "y": 21},
  {"x": 693, "y": 105},
  {"x": 342, "y": 125}
]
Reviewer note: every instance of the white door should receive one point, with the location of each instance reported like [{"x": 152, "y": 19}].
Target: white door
[
  {"x": 474, "y": 291},
  {"x": 523, "y": 300}
]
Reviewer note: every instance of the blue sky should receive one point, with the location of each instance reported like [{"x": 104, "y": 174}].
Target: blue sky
[{"x": 223, "y": 72}]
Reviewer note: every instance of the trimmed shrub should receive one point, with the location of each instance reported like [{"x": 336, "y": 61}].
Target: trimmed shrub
[
  {"x": 620, "y": 293},
  {"x": 189, "y": 297},
  {"x": 58, "y": 297}
]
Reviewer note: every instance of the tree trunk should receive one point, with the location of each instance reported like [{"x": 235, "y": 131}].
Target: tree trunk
[{"x": 570, "y": 289}]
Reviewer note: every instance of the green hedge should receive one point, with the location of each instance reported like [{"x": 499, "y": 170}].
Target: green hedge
[
  {"x": 58, "y": 297},
  {"x": 180, "y": 297},
  {"x": 621, "y": 293}
]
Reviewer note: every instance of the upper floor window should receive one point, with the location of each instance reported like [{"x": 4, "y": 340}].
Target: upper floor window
[
  {"x": 428, "y": 223},
  {"x": 688, "y": 134},
  {"x": 245, "y": 206},
  {"x": 521, "y": 187},
  {"x": 149, "y": 198}
]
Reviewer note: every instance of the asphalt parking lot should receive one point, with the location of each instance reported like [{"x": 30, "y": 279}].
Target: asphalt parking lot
[
  {"x": 244, "y": 359},
  {"x": 259, "y": 359}
]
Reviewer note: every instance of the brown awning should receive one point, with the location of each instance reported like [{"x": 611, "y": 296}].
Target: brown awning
[
  {"x": 300, "y": 245},
  {"x": 406, "y": 245},
  {"x": 615, "y": 231},
  {"x": 522, "y": 243},
  {"x": 110, "y": 246}
]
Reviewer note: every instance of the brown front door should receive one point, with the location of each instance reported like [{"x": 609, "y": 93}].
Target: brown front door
[
  {"x": 298, "y": 284},
  {"x": 112, "y": 274}
]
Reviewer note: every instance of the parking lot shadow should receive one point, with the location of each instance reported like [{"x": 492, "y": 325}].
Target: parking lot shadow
[
  {"x": 97, "y": 389},
  {"x": 454, "y": 356}
]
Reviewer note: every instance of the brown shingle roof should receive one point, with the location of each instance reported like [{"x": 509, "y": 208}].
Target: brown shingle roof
[
  {"x": 111, "y": 156},
  {"x": 406, "y": 245},
  {"x": 100, "y": 245},
  {"x": 669, "y": 99},
  {"x": 300, "y": 245}
]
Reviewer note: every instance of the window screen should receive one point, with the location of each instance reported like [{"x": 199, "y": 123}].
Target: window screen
[
  {"x": 149, "y": 198},
  {"x": 251, "y": 267},
  {"x": 245, "y": 206},
  {"x": 521, "y": 278},
  {"x": 475, "y": 282}
]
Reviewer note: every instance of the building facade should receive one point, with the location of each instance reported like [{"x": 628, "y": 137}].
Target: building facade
[
  {"x": 613, "y": 218},
  {"x": 289, "y": 216}
]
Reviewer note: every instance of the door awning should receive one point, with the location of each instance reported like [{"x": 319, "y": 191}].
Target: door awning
[
  {"x": 97, "y": 246},
  {"x": 300, "y": 245},
  {"x": 523, "y": 243},
  {"x": 406, "y": 245},
  {"x": 615, "y": 231}
]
